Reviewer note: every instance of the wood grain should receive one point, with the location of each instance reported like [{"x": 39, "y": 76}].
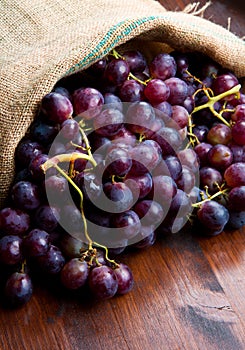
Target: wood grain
[{"x": 189, "y": 292}]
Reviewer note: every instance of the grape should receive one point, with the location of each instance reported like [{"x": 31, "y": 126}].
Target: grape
[
  {"x": 179, "y": 118},
  {"x": 10, "y": 250},
  {"x": 98, "y": 67},
  {"x": 36, "y": 243},
  {"x": 236, "y": 219},
  {"x": 169, "y": 166},
  {"x": 163, "y": 66},
  {"x": 238, "y": 132},
  {"x": 181, "y": 204},
  {"x": 124, "y": 136},
  {"x": 70, "y": 246},
  {"x": 43, "y": 132},
  {"x": 178, "y": 90},
  {"x": 74, "y": 274},
  {"x": 145, "y": 157},
  {"x": 25, "y": 195},
  {"x": 18, "y": 289},
  {"x": 69, "y": 129},
  {"x": 35, "y": 167},
  {"x": 186, "y": 181},
  {"x": 121, "y": 197},
  {"x": 108, "y": 122},
  {"x": 135, "y": 60},
  {"x": 234, "y": 175},
  {"x": 124, "y": 278},
  {"x": 224, "y": 83},
  {"x": 103, "y": 282},
  {"x": 118, "y": 162},
  {"x": 219, "y": 133},
  {"x": 236, "y": 198},
  {"x": 150, "y": 212},
  {"x": 201, "y": 132},
  {"x": 139, "y": 116},
  {"x": 220, "y": 157},
  {"x": 189, "y": 158},
  {"x": 131, "y": 91},
  {"x": 169, "y": 140},
  {"x": 202, "y": 150},
  {"x": 26, "y": 150},
  {"x": 127, "y": 224},
  {"x": 163, "y": 110},
  {"x": 139, "y": 185},
  {"x": 56, "y": 107},
  {"x": 113, "y": 101},
  {"x": 239, "y": 113},
  {"x": 145, "y": 238},
  {"x": 71, "y": 220},
  {"x": 57, "y": 189},
  {"x": 14, "y": 221},
  {"x": 87, "y": 102},
  {"x": 47, "y": 217},
  {"x": 211, "y": 178},
  {"x": 238, "y": 153},
  {"x": 117, "y": 71},
  {"x": 164, "y": 188},
  {"x": 213, "y": 215},
  {"x": 157, "y": 91},
  {"x": 52, "y": 262}
]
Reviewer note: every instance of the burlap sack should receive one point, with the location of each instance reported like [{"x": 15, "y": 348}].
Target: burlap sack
[{"x": 42, "y": 40}]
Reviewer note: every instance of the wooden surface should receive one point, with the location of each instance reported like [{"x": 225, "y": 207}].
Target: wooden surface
[{"x": 189, "y": 292}]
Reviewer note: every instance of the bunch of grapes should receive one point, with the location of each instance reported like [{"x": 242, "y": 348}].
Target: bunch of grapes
[{"x": 117, "y": 156}]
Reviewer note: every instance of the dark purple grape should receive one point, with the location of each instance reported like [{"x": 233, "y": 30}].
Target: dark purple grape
[
  {"x": 18, "y": 289},
  {"x": 71, "y": 220},
  {"x": 135, "y": 60},
  {"x": 25, "y": 195},
  {"x": 118, "y": 162},
  {"x": 238, "y": 132},
  {"x": 127, "y": 224},
  {"x": 47, "y": 217},
  {"x": 103, "y": 282},
  {"x": 139, "y": 116},
  {"x": 87, "y": 102},
  {"x": 124, "y": 136},
  {"x": 150, "y": 212},
  {"x": 117, "y": 71},
  {"x": 43, "y": 133},
  {"x": 202, "y": 150},
  {"x": 189, "y": 158},
  {"x": 179, "y": 118},
  {"x": 113, "y": 101},
  {"x": 69, "y": 129},
  {"x": 239, "y": 113},
  {"x": 62, "y": 91},
  {"x": 124, "y": 278},
  {"x": 219, "y": 134},
  {"x": 26, "y": 150},
  {"x": 70, "y": 246},
  {"x": 169, "y": 140},
  {"x": 140, "y": 185},
  {"x": 169, "y": 166},
  {"x": 52, "y": 262},
  {"x": 236, "y": 219},
  {"x": 10, "y": 250},
  {"x": 36, "y": 243},
  {"x": 145, "y": 238},
  {"x": 35, "y": 167},
  {"x": 163, "y": 110},
  {"x": 223, "y": 83},
  {"x": 213, "y": 215},
  {"x": 178, "y": 90},
  {"x": 120, "y": 197},
  {"x": 164, "y": 189},
  {"x": 98, "y": 67},
  {"x": 163, "y": 66},
  {"x": 156, "y": 91},
  {"x": 211, "y": 178},
  {"x": 131, "y": 91},
  {"x": 234, "y": 175},
  {"x": 56, "y": 107},
  {"x": 238, "y": 153},
  {"x": 201, "y": 132},
  {"x": 14, "y": 221},
  {"x": 220, "y": 157},
  {"x": 236, "y": 199},
  {"x": 187, "y": 180},
  {"x": 57, "y": 189},
  {"x": 180, "y": 205},
  {"x": 108, "y": 122},
  {"x": 74, "y": 274}
]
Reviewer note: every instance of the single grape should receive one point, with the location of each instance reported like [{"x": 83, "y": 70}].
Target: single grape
[
  {"x": 98, "y": 67},
  {"x": 18, "y": 289},
  {"x": 118, "y": 162},
  {"x": 179, "y": 118},
  {"x": 87, "y": 102},
  {"x": 163, "y": 66},
  {"x": 124, "y": 278},
  {"x": 139, "y": 116},
  {"x": 36, "y": 243},
  {"x": 113, "y": 101},
  {"x": 187, "y": 180},
  {"x": 236, "y": 220},
  {"x": 127, "y": 224},
  {"x": 180, "y": 205},
  {"x": 103, "y": 282},
  {"x": 211, "y": 178},
  {"x": 52, "y": 262},
  {"x": 47, "y": 217},
  {"x": 189, "y": 158},
  {"x": 120, "y": 197},
  {"x": 35, "y": 167},
  {"x": 135, "y": 60},
  {"x": 10, "y": 250},
  {"x": 169, "y": 140},
  {"x": 178, "y": 90},
  {"x": 234, "y": 175},
  {"x": 156, "y": 91},
  {"x": 108, "y": 122},
  {"x": 201, "y": 132},
  {"x": 219, "y": 134},
  {"x": 117, "y": 71},
  {"x": 70, "y": 246},
  {"x": 69, "y": 129},
  {"x": 145, "y": 238},
  {"x": 145, "y": 157},
  {"x": 43, "y": 133},
  {"x": 150, "y": 212},
  {"x": 170, "y": 166},
  {"x": 236, "y": 199},
  {"x": 124, "y": 136},
  {"x": 220, "y": 157},
  {"x": 131, "y": 91},
  {"x": 239, "y": 113},
  {"x": 74, "y": 273},
  {"x": 164, "y": 189},
  {"x": 139, "y": 185},
  {"x": 25, "y": 195},
  {"x": 56, "y": 107},
  {"x": 223, "y": 83},
  {"x": 14, "y": 221},
  {"x": 202, "y": 150},
  {"x": 26, "y": 150},
  {"x": 213, "y": 215},
  {"x": 238, "y": 132}
]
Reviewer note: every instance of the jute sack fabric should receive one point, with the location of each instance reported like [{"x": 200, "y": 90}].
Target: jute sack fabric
[{"x": 42, "y": 40}]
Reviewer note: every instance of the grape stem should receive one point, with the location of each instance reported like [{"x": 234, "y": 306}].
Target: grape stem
[
  {"x": 213, "y": 99},
  {"x": 221, "y": 192},
  {"x": 66, "y": 157}
]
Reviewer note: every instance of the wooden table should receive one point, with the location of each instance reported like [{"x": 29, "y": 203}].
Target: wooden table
[{"x": 189, "y": 292}]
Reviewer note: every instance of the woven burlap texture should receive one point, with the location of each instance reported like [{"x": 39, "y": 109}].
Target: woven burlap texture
[{"x": 41, "y": 40}]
